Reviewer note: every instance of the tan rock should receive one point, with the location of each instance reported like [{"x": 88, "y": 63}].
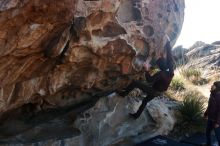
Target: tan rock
[{"x": 78, "y": 46}]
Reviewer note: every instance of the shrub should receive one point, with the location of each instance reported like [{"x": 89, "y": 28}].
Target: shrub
[
  {"x": 191, "y": 72},
  {"x": 191, "y": 113},
  {"x": 177, "y": 84},
  {"x": 194, "y": 75},
  {"x": 200, "y": 81}
]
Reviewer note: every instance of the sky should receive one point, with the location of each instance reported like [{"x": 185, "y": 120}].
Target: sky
[{"x": 201, "y": 22}]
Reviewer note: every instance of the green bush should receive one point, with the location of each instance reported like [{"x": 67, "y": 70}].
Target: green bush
[
  {"x": 191, "y": 113},
  {"x": 191, "y": 72},
  {"x": 177, "y": 84}
]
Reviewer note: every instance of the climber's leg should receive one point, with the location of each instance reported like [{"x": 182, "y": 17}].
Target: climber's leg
[
  {"x": 217, "y": 134},
  {"x": 208, "y": 132},
  {"x": 130, "y": 87},
  {"x": 150, "y": 96}
]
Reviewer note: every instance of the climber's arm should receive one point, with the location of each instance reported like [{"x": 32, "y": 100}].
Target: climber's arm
[
  {"x": 152, "y": 78},
  {"x": 170, "y": 62}
]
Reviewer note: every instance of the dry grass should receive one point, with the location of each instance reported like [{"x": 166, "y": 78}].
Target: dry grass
[
  {"x": 177, "y": 84},
  {"x": 194, "y": 75},
  {"x": 214, "y": 75}
]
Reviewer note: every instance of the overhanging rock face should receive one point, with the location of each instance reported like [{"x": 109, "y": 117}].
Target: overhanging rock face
[{"x": 56, "y": 53}]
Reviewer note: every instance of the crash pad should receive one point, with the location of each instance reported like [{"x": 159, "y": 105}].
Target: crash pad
[
  {"x": 161, "y": 141},
  {"x": 198, "y": 139}
]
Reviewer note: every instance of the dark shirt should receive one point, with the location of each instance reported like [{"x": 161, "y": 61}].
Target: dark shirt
[
  {"x": 213, "y": 110},
  {"x": 160, "y": 80}
]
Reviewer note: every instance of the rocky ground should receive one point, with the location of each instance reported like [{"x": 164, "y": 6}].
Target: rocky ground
[
  {"x": 106, "y": 123},
  {"x": 200, "y": 55}
]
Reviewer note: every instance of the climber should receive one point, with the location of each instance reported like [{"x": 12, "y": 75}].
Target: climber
[
  {"x": 160, "y": 80},
  {"x": 212, "y": 114}
]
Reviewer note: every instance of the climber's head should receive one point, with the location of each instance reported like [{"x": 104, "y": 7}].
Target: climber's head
[
  {"x": 162, "y": 64},
  {"x": 216, "y": 86}
]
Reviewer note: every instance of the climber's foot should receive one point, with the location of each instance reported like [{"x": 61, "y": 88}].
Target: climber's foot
[
  {"x": 134, "y": 116},
  {"x": 122, "y": 93}
]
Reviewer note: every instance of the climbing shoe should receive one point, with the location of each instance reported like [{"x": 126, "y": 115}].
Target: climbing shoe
[
  {"x": 122, "y": 93},
  {"x": 133, "y": 116}
]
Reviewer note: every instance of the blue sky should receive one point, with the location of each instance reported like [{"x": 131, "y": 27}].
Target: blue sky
[{"x": 201, "y": 22}]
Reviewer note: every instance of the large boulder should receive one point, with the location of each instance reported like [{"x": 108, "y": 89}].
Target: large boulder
[
  {"x": 72, "y": 47},
  {"x": 60, "y": 54}
]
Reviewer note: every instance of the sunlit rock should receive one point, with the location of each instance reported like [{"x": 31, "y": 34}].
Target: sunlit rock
[
  {"x": 87, "y": 46},
  {"x": 62, "y": 53}
]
